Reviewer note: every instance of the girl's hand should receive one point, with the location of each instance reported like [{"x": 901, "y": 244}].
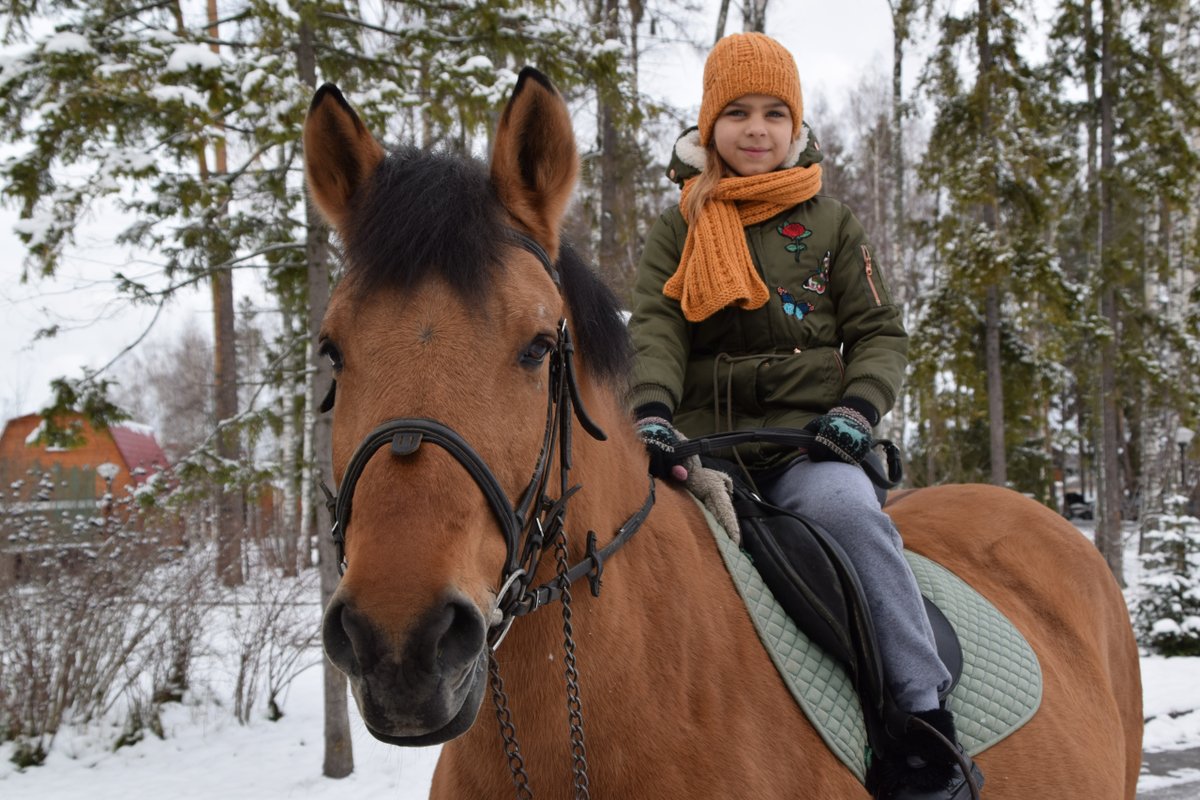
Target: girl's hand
[
  {"x": 843, "y": 434},
  {"x": 660, "y": 438}
]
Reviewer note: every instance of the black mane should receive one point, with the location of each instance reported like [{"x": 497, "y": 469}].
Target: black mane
[{"x": 438, "y": 214}]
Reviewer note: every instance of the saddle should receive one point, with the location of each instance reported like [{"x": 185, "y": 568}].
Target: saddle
[
  {"x": 815, "y": 583},
  {"x": 813, "y": 580}
]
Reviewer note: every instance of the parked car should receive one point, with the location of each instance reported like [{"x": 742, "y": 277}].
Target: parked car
[{"x": 1076, "y": 506}]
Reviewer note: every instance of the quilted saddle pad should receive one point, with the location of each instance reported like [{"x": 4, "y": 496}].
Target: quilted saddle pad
[{"x": 1000, "y": 688}]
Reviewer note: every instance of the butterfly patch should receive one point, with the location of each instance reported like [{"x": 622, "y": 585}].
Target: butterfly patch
[
  {"x": 791, "y": 306},
  {"x": 819, "y": 281}
]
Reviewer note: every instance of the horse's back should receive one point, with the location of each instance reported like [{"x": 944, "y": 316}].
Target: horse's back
[{"x": 1041, "y": 572}]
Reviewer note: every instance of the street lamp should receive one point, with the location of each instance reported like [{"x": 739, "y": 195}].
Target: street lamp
[
  {"x": 107, "y": 471},
  {"x": 1183, "y": 437}
]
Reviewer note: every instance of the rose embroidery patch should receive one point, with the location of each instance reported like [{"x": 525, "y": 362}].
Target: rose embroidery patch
[
  {"x": 797, "y": 233},
  {"x": 791, "y": 306}
]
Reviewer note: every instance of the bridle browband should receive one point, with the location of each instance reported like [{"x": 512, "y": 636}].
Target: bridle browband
[{"x": 536, "y": 519}]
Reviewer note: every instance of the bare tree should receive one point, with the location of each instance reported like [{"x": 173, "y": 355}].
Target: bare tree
[
  {"x": 339, "y": 753},
  {"x": 754, "y": 15},
  {"x": 168, "y": 385}
]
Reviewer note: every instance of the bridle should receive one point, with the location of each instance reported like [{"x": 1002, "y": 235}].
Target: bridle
[
  {"x": 532, "y": 522},
  {"x": 528, "y": 526}
]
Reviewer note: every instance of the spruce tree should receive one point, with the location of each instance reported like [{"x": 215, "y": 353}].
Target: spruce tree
[
  {"x": 983, "y": 342},
  {"x": 1167, "y": 612}
]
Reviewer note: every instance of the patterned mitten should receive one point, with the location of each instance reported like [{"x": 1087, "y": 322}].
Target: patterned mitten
[
  {"x": 661, "y": 438},
  {"x": 843, "y": 434}
]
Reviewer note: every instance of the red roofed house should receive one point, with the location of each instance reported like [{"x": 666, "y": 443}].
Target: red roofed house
[
  {"x": 64, "y": 487},
  {"x": 73, "y": 479}
]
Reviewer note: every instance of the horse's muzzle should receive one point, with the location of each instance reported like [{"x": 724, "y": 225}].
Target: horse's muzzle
[{"x": 417, "y": 687}]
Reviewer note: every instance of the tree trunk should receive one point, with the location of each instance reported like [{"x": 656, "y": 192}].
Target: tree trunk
[
  {"x": 754, "y": 16},
  {"x": 995, "y": 384},
  {"x": 722, "y": 16},
  {"x": 1086, "y": 404},
  {"x": 339, "y": 753},
  {"x": 287, "y": 522},
  {"x": 609, "y": 253},
  {"x": 995, "y": 370},
  {"x": 896, "y": 245},
  {"x": 1108, "y": 531},
  {"x": 230, "y": 513},
  {"x": 308, "y": 482},
  {"x": 896, "y": 254}
]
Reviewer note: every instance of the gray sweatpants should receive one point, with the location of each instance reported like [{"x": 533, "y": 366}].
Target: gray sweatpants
[{"x": 841, "y": 499}]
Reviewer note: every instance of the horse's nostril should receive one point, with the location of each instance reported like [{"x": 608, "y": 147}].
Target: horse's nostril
[
  {"x": 449, "y": 638},
  {"x": 453, "y": 636},
  {"x": 349, "y": 639}
]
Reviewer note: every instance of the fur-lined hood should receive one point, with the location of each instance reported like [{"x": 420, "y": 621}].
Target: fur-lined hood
[{"x": 688, "y": 156}]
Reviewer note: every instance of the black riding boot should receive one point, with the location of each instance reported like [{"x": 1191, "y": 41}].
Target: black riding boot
[{"x": 927, "y": 764}]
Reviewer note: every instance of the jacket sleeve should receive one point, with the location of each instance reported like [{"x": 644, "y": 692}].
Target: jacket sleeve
[
  {"x": 874, "y": 341},
  {"x": 661, "y": 335}
]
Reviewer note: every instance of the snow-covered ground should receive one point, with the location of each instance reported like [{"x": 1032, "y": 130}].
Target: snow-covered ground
[{"x": 207, "y": 754}]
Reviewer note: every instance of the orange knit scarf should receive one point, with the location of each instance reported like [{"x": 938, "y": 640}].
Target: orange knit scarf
[{"x": 716, "y": 270}]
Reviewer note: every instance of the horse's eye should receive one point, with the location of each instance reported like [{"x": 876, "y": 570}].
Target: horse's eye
[
  {"x": 536, "y": 352},
  {"x": 331, "y": 351}
]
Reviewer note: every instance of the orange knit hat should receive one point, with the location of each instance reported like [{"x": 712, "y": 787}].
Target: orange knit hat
[{"x": 748, "y": 63}]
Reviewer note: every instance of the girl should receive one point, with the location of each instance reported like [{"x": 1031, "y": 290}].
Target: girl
[{"x": 758, "y": 303}]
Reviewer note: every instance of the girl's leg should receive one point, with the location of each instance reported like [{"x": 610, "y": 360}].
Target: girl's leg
[{"x": 840, "y": 499}]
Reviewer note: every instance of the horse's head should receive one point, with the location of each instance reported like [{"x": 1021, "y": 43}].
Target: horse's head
[{"x": 449, "y": 312}]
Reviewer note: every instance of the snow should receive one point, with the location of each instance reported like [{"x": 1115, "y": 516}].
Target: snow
[
  {"x": 140, "y": 428},
  {"x": 32, "y": 438},
  {"x": 207, "y": 754},
  {"x": 1171, "y": 698},
  {"x": 182, "y": 94},
  {"x": 67, "y": 42},
  {"x": 37, "y": 227},
  {"x": 477, "y": 62},
  {"x": 186, "y": 56},
  {"x": 284, "y": 9}
]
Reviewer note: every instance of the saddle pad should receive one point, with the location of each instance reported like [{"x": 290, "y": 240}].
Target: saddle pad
[{"x": 1000, "y": 688}]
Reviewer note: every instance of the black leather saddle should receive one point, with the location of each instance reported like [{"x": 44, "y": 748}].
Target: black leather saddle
[
  {"x": 812, "y": 578},
  {"x": 814, "y": 581}
]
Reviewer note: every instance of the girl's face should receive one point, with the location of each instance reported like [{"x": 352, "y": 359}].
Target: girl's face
[{"x": 753, "y": 134}]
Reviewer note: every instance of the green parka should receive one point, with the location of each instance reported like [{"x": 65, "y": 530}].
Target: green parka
[{"x": 829, "y": 331}]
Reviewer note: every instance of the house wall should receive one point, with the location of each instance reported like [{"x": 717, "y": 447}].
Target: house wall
[{"x": 77, "y": 464}]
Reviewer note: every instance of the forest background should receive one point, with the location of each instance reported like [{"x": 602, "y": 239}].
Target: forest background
[{"x": 1028, "y": 171}]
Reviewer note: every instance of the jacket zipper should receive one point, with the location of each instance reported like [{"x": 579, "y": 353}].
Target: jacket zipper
[{"x": 867, "y": 261}]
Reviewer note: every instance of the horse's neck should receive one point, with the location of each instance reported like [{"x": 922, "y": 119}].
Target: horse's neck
[
  {"x": 668, "y": 663},
  {"x": 655, "y": 587},
  {"x": 666, "y": 610}
]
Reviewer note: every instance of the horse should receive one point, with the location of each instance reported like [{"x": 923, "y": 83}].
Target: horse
[{"x": 473, "y": 343}]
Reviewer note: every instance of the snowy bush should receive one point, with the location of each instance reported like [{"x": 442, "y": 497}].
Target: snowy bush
[
  {"x": 81, "y": 641},
  {"x": 106, "y": 617},
  {"x": 276, "y": 623},
  {"x": 1167, "y": 613}
]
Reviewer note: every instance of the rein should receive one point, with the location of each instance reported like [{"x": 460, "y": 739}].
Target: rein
[{"x": 527, "y": 526}]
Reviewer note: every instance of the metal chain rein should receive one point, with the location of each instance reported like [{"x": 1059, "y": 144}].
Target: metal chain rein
[
  {"x": 508, "y": 732},
  {"x": 574, "y": 703}
]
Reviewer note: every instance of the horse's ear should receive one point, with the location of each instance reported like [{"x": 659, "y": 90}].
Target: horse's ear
[
  {"x": 534, "y": 160},
  {"x": 339, "y": 153}
]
